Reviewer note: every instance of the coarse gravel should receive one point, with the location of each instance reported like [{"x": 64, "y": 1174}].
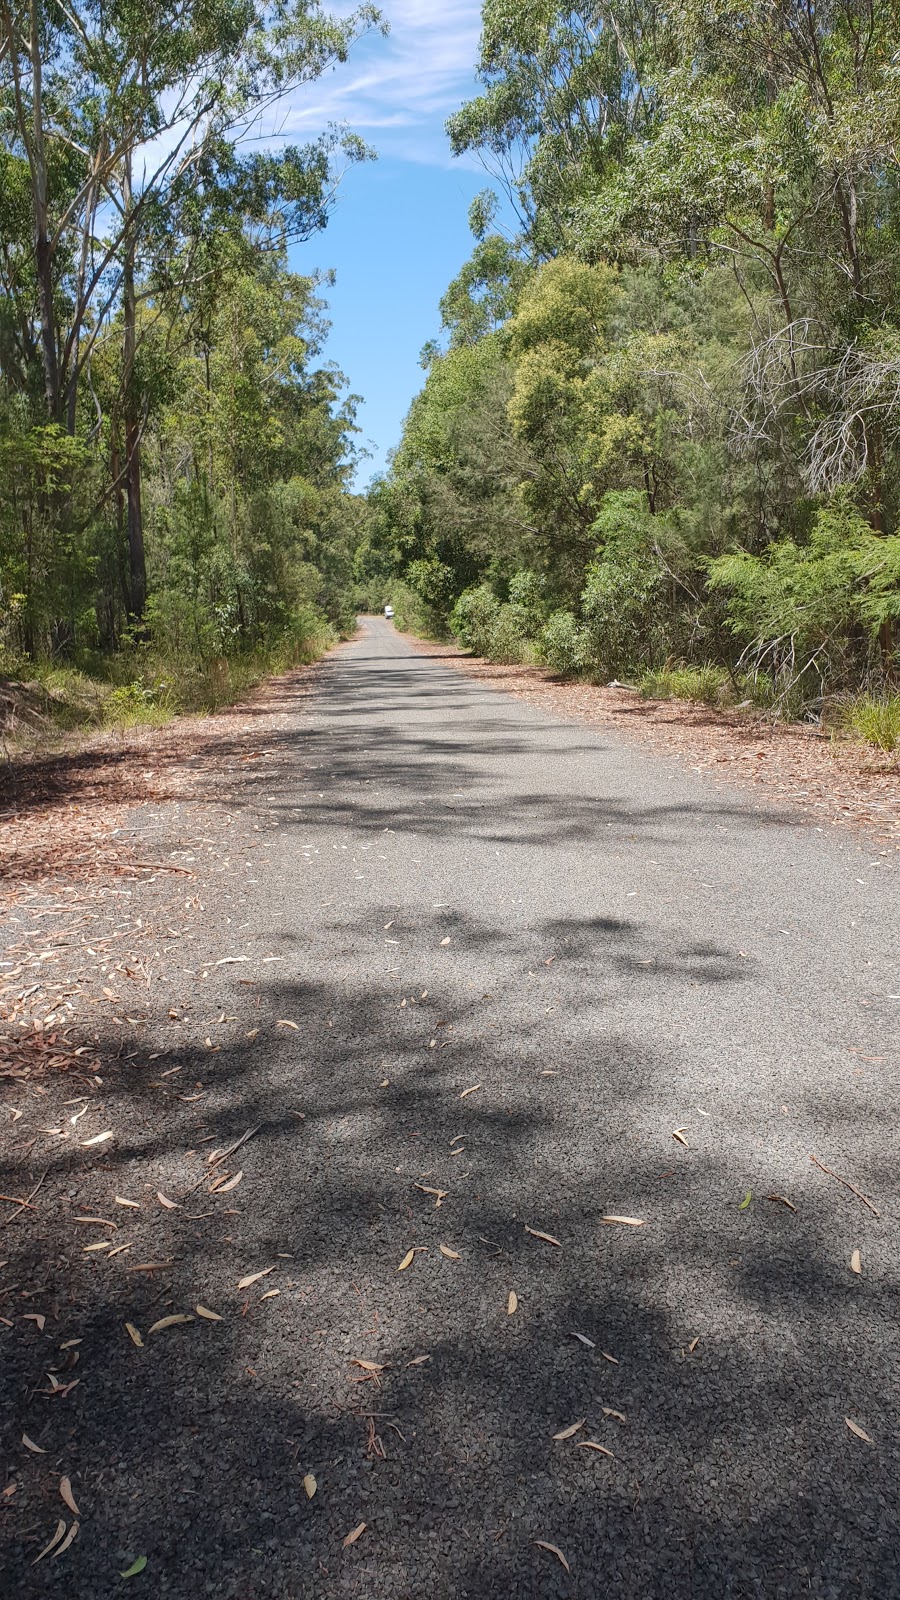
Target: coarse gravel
[{"x": 478, "y": 950}]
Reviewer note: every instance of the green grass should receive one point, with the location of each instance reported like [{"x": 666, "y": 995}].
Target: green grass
[
  {"x": 141, "y": 687},
  {"x": 710, "y": 685},
  {"x": 876, "y": 721}
]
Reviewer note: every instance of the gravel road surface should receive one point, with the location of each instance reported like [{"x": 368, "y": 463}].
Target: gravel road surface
[{"x": 490, "y": 980}]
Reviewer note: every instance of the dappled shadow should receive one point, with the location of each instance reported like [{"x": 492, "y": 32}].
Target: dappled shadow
[
  {"x": 547, "y": 1068},
  {"x": 738, "y": 1340}
]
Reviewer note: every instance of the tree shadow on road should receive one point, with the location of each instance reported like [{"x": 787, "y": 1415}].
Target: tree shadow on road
[{"x": 733, "y": 1342}]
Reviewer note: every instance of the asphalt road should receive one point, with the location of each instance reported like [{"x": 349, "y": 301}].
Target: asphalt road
[{"x": 517, "y": 956}]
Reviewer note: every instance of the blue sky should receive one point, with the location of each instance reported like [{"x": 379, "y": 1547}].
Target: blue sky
[{"x": 399, "y": 232}]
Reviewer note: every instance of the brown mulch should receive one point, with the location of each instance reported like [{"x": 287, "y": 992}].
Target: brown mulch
[
  {"x": 60, "y": 809},
  {"x": 63, "y": 849},
  {"x": 836, "y": 783}
]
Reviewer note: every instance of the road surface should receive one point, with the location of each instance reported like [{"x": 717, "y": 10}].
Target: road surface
[{"x": 527, "y": 978}]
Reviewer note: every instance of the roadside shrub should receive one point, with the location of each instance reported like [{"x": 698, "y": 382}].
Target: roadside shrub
[
  {"x": 510, "y": 639},
  {"x": 709, "y": 684},
  {"x": 134, "y": 704},
  {"x": 433, "y": 582},
  {"x": 815, "y": 613},
  {"x": 526, "y": 593},
  {"x": 563, "y": 643},
  {"x": 623, "y": 598},
  {"x": 412, "y": 614},
  {"x": 875, "y": 721},
  {"x": 474, "y": 619}
]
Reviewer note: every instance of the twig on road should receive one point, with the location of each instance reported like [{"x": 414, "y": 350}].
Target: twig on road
[
  {"x": 847, "y": 1185},
  {"x": 159, "y": 866},
  {"x": 25, "y": 1205},
  {"x": 222, "y": 1156}
]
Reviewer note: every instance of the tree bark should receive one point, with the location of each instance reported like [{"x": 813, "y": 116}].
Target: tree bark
[{"x": 137, "y": 565}]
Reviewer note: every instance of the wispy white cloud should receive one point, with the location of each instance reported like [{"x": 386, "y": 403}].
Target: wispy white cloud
[{"x": 398, "y": 91}]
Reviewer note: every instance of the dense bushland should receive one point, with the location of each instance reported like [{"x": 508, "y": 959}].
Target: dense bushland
[
  {"x": 174, "y": 458},
  {"x": 659, "y": 435}
]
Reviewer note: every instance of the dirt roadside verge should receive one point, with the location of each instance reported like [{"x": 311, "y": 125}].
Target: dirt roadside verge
[{"x": 835, "y": 785}]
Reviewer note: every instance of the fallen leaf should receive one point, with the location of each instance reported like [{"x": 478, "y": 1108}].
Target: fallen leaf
[
  {"x": 72, "y": 1534},
  {"x": 746, "y": 1200},
  {"x": 231, "y": 1184},
  {"x": 473, "y": 1089},
  {"x": 353, "y": 1535},
  {"x": 207, "y": 1315},
  {"x": 269, "y": 1295},
  {"x": 310, "y": 1485},
  {"x": 855, "y": 1262},
  {"x": 860, "y": 1432},
  {"x": 134, "y": 1204},
  {"x": 254, "y": 1277},
  {"x": 417, "y": 1361},
  {"x": 148, "y": 1266},
  {"x": 65, "y": 1489},
  {"x": 693, "y": 1345},
  {"x": 134, "y": 1335},
  {"x": 60, "y": 1530},
  {"x": 104, "y": 1221},
  {"x": 567, "y": 1433},
  {"x": 30, "y": 1445},
  {"x": 628, "y": 1222},
  {"x": 136, "y": 1567},
  {"x": 170, "y": 1322},
  {"x": 452, "y": 1255},
  {"x": 784, "y": 1201},
  {"x": 607, "y": 1357},
  {"x": 619, "y": 1415},
  {"x": 678, "y": 1134},
  {"x": 170, "y": 1205},
  {"x": 408, "y": 1260},
  {"x": 547, "y": 1237},
  {"x": 103, "y": 1244},
  {"x": 99, "y": 1138},
  {"x": 367, "y": 1366},
  {"x": 554, "y": 1551},
  {"x": 583, "y": 1339},
  {"x": 590, "y": 1444},
  {"x": 284, "y": 1023},
  {"x": 445, "y": 941},
  {"x": 35, "y": 1316},
  {"x": 512, "y": 1304}
]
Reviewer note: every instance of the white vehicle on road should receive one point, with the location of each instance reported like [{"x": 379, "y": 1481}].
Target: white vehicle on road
[{"x": 389, "y": 612}]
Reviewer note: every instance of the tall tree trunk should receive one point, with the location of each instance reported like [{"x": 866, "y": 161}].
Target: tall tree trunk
[
  {"x": 42, "y": 255},
  {"x": 136, "y": 558},
  {"x": 31, "y": 131}
]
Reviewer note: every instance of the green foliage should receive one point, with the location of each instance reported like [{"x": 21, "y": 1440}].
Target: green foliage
[
  {"x": 622, "y": 597},
  {"x": 798, "y": 608},
  {"x": 174, "y": 457},
  {"x": 411, "y": 613},
  {"x": 563, "y": 644},
  {"x": 710, "y": 684},
  {"x": 672, "y": 399},
  {"x": 474, "y": 619},
  {"x": 877, "y": 721}
]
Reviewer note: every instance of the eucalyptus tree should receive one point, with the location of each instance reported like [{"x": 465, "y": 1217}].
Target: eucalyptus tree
[{"x": 123, "y": 130}]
